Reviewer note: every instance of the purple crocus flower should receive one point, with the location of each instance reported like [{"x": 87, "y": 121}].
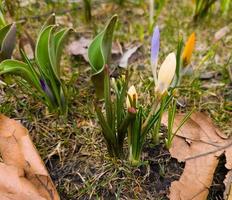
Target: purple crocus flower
[
  {"x": 155, "y": 44},
  {"x": 47, "y": 89},
  {"x": 43, "y": 84}
]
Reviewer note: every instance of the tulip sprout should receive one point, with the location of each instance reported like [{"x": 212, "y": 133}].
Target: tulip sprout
[
  {"x": 99, "y": 53},
  {"x": 44, "y": 73}
]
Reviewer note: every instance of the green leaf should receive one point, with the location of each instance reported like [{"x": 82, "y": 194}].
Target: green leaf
[
  {"x": 20, "y": 69},
  {"x": 99, "y": 53},
  {"x": 2, "y": 20},
  {"x": 177, "y": 78},
  {"x": 107, "y": 132},
  {"x": 95, "y": 55},
  {"x": 32, "y": 69},
  {"x": 107, "y": 39},
  {"x": 121, "y": 99},
  {"x": 98, "y": 82},
  {"x": 7, "y": 41},
  {"x": 42, "y": 51},
  {"x": 52, "y": 53},
  {"x": 51, "y": 20},
  {"x": 59, "y": 38},
  {"x": 107, "y": 96}
]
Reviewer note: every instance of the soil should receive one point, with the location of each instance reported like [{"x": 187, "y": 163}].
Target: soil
[{"x": 157, "y": 172}]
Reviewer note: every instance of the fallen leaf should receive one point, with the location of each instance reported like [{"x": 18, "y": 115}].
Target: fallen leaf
[
  {"x": 79, "y": 48},
  {"x": 27, "y": 44},
  {"x": 228, "y": 186},
  {"x": 199, "y": 144},
  {"x": 22, "y": 173},
  {"x": 127, "y": 55},
  {"x": 221, "y": 33}
]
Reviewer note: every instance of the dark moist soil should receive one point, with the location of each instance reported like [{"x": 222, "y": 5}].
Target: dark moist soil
[
  {"x": 157, "y": 173},
  {"x": 154, "y": 175},
  {"x": 163, "y": 170},
  {"x": 217, "y": 188}
]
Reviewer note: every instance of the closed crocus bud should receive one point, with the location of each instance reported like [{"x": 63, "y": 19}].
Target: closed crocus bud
[
  {"x": 166, "y": 73},
  {"x": 131, "y": 94},
  {"x": 47, "y": 90},
  {"x": 155, "y": 44},
  {"x": 188, "y": 49}
]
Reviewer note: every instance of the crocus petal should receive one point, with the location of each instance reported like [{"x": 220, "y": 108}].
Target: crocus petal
[
  {"x": 47, "y": 90},
  {"x": 132, "y": 94},
  {"x": 155, "y": 44},
  {"x": 166, "y": 73},
  {"x": 188, "y": 49}
]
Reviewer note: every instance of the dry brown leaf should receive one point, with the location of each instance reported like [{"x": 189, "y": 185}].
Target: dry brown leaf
[
  {"x": 199, "y": 144},
  {"x": 23, "y": 175},
  {"x": 127, "y": 55},
  {"x": 79, "y": 48},
  {"x": 228, "y": 186},
  {"x": 221, "y": 33}
]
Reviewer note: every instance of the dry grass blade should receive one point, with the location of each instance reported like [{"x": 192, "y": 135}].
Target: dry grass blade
[
  {"x": 199, "y": 144},
  {"x": 22, "y": 173}
]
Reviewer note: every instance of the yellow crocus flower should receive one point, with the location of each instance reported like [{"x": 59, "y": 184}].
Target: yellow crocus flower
[{"x": 188, "y": 49}]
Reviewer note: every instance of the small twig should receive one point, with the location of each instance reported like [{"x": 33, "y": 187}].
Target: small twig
[
  {"x": 209, "y": 152},
  {"x": 198, "y": 140}
]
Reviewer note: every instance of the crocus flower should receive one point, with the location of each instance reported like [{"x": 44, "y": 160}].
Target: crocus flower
[
  {"x": 47, "y": 90},
  {"x": 155, "y": 44},
  {"x": 166, "y": 73},
  {"x": 131, "y": 94},
  {"x": 188, "y": 49}
]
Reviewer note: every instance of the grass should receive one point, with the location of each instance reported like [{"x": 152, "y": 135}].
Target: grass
[{"x": 73, "y": 148}]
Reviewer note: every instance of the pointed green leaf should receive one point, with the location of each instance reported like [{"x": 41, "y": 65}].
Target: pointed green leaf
[
  {"x": 107, "y": 132},
  {"x": 20, "y": 69},
  {"x": 107, "y": 39},
  {"x": 99, "y": 53},
  {"x": 7, "y": 41},
  {"x": 59, "y": 38},
  {"x": 42, "y": 52},
  {"x": 51, "y": 20},
  {"x": 96, "y": 59}
]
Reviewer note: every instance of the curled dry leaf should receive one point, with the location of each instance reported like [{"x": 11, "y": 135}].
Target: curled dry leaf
[
  {"x": 199, "y": 144},
  {"x": 23, "y": 175},
  {"x": 221, "y": 33},
  {"x": 127, "y": 55}
]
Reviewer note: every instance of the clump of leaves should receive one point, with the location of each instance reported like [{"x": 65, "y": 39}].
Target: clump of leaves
[
  {"x": 202, "y": 8},
  {"x": 44, "y": 72},
  {"x": 134, "y": 120},
  {"x": 116, "y": 120}
]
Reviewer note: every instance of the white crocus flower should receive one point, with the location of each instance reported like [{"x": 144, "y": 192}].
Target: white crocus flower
[
  {"x": 166, "y": 73},
  {"x": 133, "y": 96}
]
